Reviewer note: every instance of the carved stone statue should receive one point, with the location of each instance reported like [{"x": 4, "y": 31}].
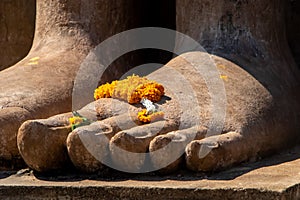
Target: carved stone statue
[{"x": 245, "y": 40}]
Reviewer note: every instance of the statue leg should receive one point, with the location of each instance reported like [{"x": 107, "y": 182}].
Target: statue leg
[{"x": 40, "y": 85}]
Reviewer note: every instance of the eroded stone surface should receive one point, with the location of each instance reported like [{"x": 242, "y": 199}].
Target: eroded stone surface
[
  {"x": 254, "y": 124},
  {"x": 274, "y": 178},
  {"x": 40, "y": 85},
  {"x": 17, "y": 21},
  {"x": 257, "y": 112}
]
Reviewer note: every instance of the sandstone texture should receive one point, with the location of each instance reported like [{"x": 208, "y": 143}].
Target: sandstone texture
[
  {"x": 41, "y": 84},
  {"x": 255, "y": 71},
  {"x": 254, "y": 123},
  {"x": 274, "y": 178},
  {"x": 17, "y": 20}
]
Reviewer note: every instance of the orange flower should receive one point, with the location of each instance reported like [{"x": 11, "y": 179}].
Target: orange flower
[
  {"x": 150, "y": 90},
  {"x": 132, "y": 89},
  {"x": 147, "y": 118},
  {"x": 105, "y": 90},
  {"x": 125, "y": 88}
]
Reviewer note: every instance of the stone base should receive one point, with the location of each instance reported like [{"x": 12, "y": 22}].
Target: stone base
[{"x": 277, "y": 177}]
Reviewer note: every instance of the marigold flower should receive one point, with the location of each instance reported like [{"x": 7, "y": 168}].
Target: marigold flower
[
  {"x": 150, "y": 90},
  {"x": 132, "y": 89},
  {"x": 125, "y": 88},
  {"x": 75, "y": 120},
  {"x": 147, "y": 118},
  {"x": 105, "y": 90}
]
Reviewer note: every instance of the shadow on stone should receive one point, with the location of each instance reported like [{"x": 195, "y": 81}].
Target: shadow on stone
[
  {"x": 111, "y": 175},
  {"x": 5, "y": 174},
  {"x": 280, "y": 158}
]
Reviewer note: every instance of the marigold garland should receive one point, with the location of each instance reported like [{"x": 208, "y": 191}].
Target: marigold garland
[
  {"x": 105, "y": 90},
  {"x": 132, "y": 89},
  {"x": 147, "y": 118}
]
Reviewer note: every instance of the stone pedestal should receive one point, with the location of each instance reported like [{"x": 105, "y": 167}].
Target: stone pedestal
[{"x": 276, "y": 178}]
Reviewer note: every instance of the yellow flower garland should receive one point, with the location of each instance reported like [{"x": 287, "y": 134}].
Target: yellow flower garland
[
  {"x": 132, "y": 89},
  {"x": 105, "y": 90},
  {"x": 147, "y": 118}
]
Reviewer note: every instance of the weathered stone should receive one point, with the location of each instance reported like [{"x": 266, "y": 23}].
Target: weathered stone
[
  {"x": 17, "y": 21},
  {"x": 253, "y": 123},
  {"x": 164, "y": 148},
  {"x": 41, "y": 84},
  {"x": 238, "y": 33},
  {"x": 275, "y": 178},
  {"x": 54, "y": 142},
  {"x": 129, "y": 147},
  {"x": 269, "y": 62},
  {"x": 88, "y": 146},
  {"x": 260, "y": 86},
  {"x": 40, "y": 151},
  {"x": 83, "y": 157},
  {"x": 42, "y": 142},
  {"x": 11, "y": 120}
]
